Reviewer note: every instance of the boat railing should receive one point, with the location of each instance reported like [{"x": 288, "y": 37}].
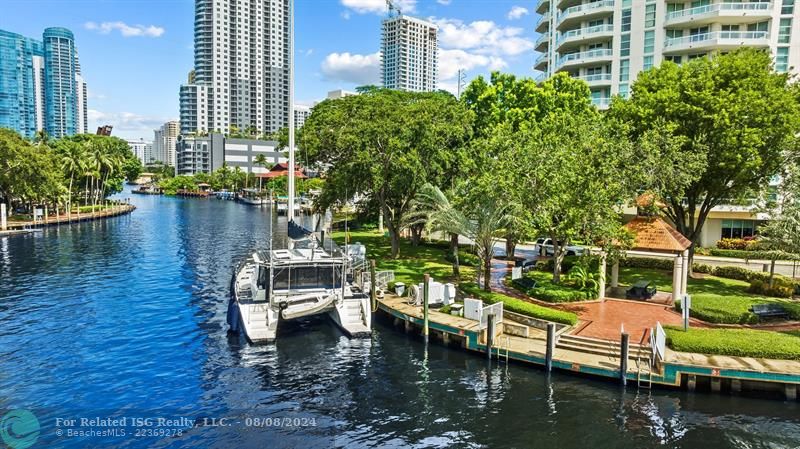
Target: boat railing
[{"x": 382, "y": 278}]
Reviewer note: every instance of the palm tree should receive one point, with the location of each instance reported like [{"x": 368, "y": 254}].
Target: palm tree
[
  {"x": 260, "y": 160},
  {"x": 480, "y": 222},
  {"x": 72, "y": 160}
]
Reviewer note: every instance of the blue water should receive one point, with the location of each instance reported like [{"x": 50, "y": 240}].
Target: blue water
[{"x": 125, "y": 318}]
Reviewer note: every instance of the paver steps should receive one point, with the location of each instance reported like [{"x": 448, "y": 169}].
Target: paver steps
[{"x": 602, "y": 347}]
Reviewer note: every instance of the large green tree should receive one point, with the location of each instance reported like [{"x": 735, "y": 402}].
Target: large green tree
[
  {"x": 384, "y": 145},
  {"x": 734, "y": 117}
]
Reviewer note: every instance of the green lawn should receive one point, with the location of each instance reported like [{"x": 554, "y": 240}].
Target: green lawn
[
  {"x": 413, "y": 262},
  {"x": 736, "y": 342},
  {"x": 714, "y": 299}
]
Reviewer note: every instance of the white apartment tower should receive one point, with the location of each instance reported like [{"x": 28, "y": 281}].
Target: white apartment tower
[
  {"x": 608, "y": 42},
  {"x": 409, "y": 54},
  {"x": 241, "y": 76},
  {"x": 165, "y": 140}
]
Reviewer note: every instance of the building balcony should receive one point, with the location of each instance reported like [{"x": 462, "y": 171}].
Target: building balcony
[
  {"x": 597, "y": 80},
  {"x": 582, "y": 36},
  {"x": 575, "y": 60},
  {"x": 588, "y": 11},
  {"x": 601, "y": 103},
  {"x": 541, "y": 62},
  {"x": 726, "y": 13},
  {"x": 542, "y": 6},
  {"x": 543, "y": 42},
  {"x": 717, "y": 40},
  {"x": 543, "y": 22}
]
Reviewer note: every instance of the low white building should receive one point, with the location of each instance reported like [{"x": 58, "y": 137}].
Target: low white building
[{"x": 143, "y": 150}]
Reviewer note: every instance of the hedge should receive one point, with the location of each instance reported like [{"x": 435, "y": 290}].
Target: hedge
[
  {"x": 744, "y": 254},
  {"x": 736, "y": 342},
  {"x": 519, "y": 306},
  {"x": 729, "y": 309},
  {"x": 567, "y": 263}
]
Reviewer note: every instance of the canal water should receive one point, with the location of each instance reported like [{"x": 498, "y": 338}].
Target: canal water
[{"x": 125, "y": 319}]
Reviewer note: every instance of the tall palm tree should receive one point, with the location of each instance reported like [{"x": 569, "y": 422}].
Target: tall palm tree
[
  {"x": 72, "y": 160},
  {"x": 480, "y": 222},
  {"x": 260, "y": 160}
]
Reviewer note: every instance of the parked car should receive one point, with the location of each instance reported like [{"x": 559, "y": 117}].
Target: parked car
[{"x": 547, "y": 245}]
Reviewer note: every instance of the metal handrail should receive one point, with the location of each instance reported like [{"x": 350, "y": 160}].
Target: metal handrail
[
  {"x": 584, "y": 31},
  {"x": 715, "y": 35},
  {"x": 752, "y": 6},
  {"x": 585, "y": 7},
  {"x": 600, "y": 52}
]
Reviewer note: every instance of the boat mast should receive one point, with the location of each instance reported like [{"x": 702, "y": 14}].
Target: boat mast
[{"x": 290, "y": 211}]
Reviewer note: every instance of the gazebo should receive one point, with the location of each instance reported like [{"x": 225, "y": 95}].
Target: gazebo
[{"x": 655, "y": 236}]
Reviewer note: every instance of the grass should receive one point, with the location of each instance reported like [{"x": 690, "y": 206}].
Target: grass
[
  {"x": 736, "y": 342},
  {"x": 714, "y": 299},
  {"x": 414, "y": 261},
  {"x": 512, "y": 304}
]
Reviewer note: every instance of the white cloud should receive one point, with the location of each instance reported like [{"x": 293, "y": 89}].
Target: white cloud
[
  {"x": 379, "y": 6},
  {"x": 353, "y": 68},
  {"x": 126, "y": 124},
  {"x": 517, "y": 12},
  {"x": 483, "y": 36},
  {"x": 444, "y": 2},
  {"x": 125, "y": 29}
]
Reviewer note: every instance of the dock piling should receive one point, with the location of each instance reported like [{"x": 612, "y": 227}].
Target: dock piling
[
  {"x": 3, "y": 217},
  {"x": 791, "y": 392},
  {"x": 489, "y": 334},
  {"x": 551, "y": 345},
  {"x": 716, "y": 384},
  {"x": 372, "y": 295},
  {"x": 691, "y": 382},
  {"x": 425, "y": 292},
  {"x": 623, "y": 359},
  {"x": 736, "y": 386}
]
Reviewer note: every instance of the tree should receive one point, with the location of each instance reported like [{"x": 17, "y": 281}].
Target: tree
[
  {"x": 260, "y": 160},
  {"x": 480, "y": 222},
  {"x": 515, "y": 103},
  {"x": 781, "y": 235},
  {"x": 383, "y": 146},
  {"x": 571, "y": 172},
  {"x": 732, "y": 111},
  {"x": 72, "y": 163},
  {"x": 132, "y": 168}
]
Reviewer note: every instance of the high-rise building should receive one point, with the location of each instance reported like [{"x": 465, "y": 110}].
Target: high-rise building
[
  {"x": 608, "y": 42},
  {"x": 409, "y": 54},
  {"x": 41, "y": 87},
  {"x": 143, "y": 150},
  {"x": 165, "y": 140},
  {"x": 241, "y": 73},
  {"x": 20, "y": 80},
  {"x": 301, "y": 113}
]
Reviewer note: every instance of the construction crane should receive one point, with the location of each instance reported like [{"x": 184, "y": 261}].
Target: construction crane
[{"x": 393, "y": 8}]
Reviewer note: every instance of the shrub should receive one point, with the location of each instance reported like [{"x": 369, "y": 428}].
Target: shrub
[
  {"x": 464, "y": 258},
  {"x": 568, "y": 262},
  {"x": 702, "y": 268},
  {"x": 546, "y": 291},
  {"x": 519, "y": 306},
  {"x": 738, "y": 273},
  {"x": 779, "y": 289},
  {"x": 736, "y": 342},
  {"x": 647, "y": 262},
  {"x": 741, "y": 254},
  {"x": 740, "y": 244}
]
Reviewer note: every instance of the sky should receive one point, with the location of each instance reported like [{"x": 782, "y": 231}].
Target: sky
[{"x": 135, "y": 54}]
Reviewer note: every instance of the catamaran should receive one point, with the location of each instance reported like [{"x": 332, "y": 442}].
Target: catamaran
[{"x": 308, "y": 277}]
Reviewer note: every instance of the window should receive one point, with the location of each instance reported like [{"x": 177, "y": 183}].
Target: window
[
  {"x": 626, "y": 20},
  {"x": 649, "y": 42},
  {"x": 650, "y": 16},
  {"x": 782, "y": 59},
  {"x": 676, "y": 59},
  {"x": 785, "y": 31},
  {"x": 623, "y": 90},
  {"x": 788, "y": 7},
  {"x": 737, "y": 229},
  {"x": 729, "y": 28},
  {"x": 674, "y": 34},
  {"x": 648, "y": 62},
  {"x": 760, "y": 26},
  {"x": 673, "y": 7},
  {"x": 625, "y": 45},
  {"x": 624, "y": 70}
]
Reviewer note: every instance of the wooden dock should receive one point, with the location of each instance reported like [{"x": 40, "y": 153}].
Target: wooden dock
[
  {"x": 114, "y": 211},
  {"x": 600, "y": 358}
]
